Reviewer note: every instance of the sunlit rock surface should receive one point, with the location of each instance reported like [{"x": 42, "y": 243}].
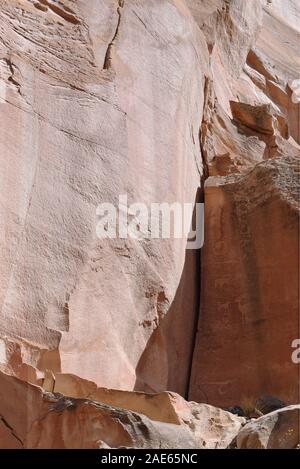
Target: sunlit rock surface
[
  {"x": 164, "y": 101},
  {"x": 100, "y": 100},
  {"x": 32, "y": 418}
]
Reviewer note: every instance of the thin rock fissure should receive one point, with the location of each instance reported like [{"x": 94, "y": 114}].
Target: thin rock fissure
[
  {"x": 11, "y": 430},
  {"x": 108, "y": 56}
]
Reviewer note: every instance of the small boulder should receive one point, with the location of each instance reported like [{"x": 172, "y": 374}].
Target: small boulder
[{"x": 277, "y": 430}]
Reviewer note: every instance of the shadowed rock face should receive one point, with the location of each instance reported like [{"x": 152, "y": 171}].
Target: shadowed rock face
[{"x": 165, "y": 101}]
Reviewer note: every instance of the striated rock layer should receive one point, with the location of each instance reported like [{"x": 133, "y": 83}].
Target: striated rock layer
[{"x": 163, "y": 101}]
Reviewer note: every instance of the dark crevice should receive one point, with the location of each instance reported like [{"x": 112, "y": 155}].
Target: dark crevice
[
  {"x": 202, "y": 134},
  {"x": 197, "y": 254},
  {"x": 11, "y": 430},
  {"x": 108, "y": 56},
  {"x": 11, "y": 79},
  {"x": 199, "y": 199}
]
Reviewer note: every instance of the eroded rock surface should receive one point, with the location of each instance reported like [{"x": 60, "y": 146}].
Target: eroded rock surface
[
  {"x": 33, "y": 418},
  {"x": 279, "y": 429}
]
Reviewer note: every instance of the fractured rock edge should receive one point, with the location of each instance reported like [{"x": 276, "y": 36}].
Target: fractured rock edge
[{"x": 34, "y": 418}]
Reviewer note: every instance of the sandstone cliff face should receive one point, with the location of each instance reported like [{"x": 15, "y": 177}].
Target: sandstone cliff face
[
  {"x": 101, "y": 98},
  {"x": 165, "y": 101},
  {"x": 249, "y": 311},
  {"x": 252, "y": 232}
]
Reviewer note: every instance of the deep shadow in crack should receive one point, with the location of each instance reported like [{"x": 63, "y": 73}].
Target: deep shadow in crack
[{"x": 166, "y": 361}]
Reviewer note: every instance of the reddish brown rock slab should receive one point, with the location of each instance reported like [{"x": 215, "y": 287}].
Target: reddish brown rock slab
[{"x": 249, "y": 313}]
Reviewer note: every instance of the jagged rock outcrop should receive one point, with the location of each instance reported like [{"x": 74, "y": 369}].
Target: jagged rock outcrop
[
  {"x": 33, "y": 418},
  {"x": 164, "y": 101}
]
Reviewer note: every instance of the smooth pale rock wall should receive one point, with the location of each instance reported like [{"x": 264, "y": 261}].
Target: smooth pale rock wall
[{"x": 101, "y": 99}]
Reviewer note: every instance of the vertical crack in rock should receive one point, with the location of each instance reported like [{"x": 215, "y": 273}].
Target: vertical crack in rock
[
  {"x": 11, "y": 430},
  {"x": 202, "y": 134},
  {"x": 197, "y": 254},
  {"x": 108, "y": 56},
  {"x": 199, "y": 199}
]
